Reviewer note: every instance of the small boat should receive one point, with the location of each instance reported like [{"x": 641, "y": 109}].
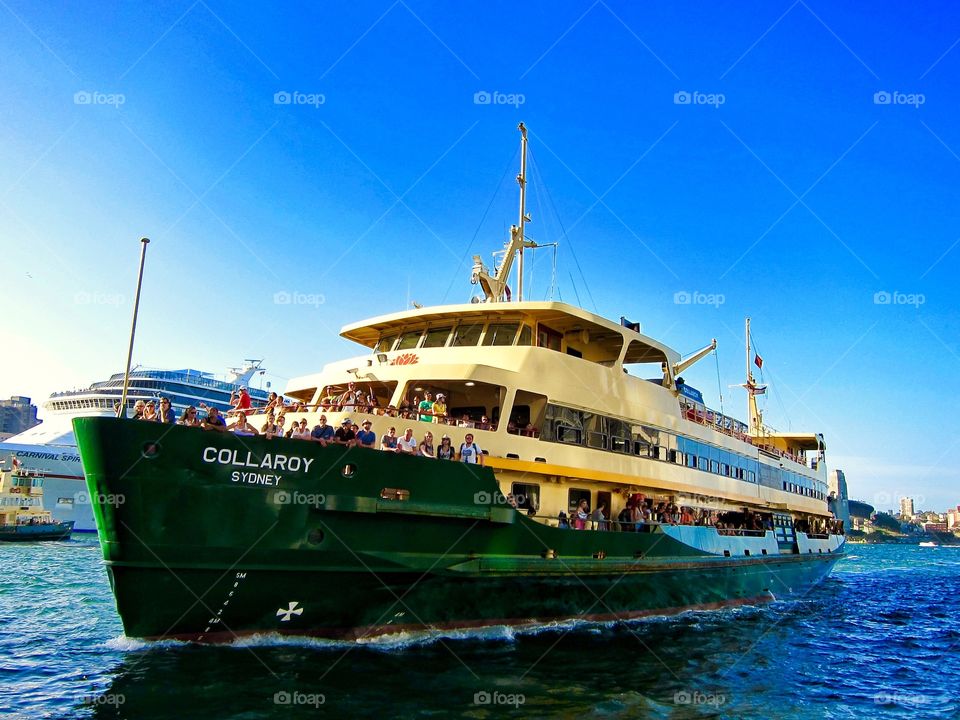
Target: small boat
[
  {"x": 22, "y": 517},
  {"x": 929, "y": 543}
]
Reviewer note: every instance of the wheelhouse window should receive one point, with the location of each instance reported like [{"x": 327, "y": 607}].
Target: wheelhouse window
[
  {"x": 385, "y": 344},
  {"x": 409, "y": 340},
  {"x": 436, "y": 337},
  {"x": 548, "y": 338},
  {"x": 500, "y": 334},
  {"x": 526, "y": 335},
  {"x": 467, "y": 335}
]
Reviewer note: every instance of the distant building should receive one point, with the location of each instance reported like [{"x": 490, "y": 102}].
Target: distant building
[
  {"x": 906, "y": 507},
  {"x": 16, "y": 415},
  {"x": 837, "y": 501},
  {"x": 934, "y": 527},
  {"x": 953, "y": 518}
]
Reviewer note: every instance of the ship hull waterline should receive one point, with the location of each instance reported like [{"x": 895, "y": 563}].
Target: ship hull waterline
[{"x": 210, "y": 537}]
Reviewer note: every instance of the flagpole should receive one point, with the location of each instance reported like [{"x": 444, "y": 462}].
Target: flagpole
[{"x": 122, "y": 410}]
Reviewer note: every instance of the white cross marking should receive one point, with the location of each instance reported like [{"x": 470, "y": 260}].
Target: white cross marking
[{"x": 291, "y": 610}]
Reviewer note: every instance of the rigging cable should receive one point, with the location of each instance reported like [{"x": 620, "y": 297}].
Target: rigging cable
[
  {"x": 480, "y": 224},
  {"x": 563, "y": 234},
  {"x": 716, "y": 356}
]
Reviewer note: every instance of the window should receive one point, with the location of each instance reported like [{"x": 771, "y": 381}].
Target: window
[
  {"x": 500, "y": 334},
  {"x": 597, "y": 440},
  {"x": 526, "y": 496},
  {"x": 467, "y": 335},
  {"x": 574, "y": 496},
  {"x": 714, "y": 466},
  {"x": 436, "y": 337},
  {"x": 385, "y": 344},
  {"x": 703, "y": 464},
  {"x": 548, "y": 338},
  {"x": 409, "y": 340},
  {"x": 526, "y": 335}
]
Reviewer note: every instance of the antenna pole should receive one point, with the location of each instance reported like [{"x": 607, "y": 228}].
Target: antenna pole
[
  {"x": 522, "y": 181},
  {"x": 122, "y": 410}
]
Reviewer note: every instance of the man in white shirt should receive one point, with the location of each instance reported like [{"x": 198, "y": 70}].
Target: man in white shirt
[
  {"x": 470, "y": 452},
  {"x": 407, "y": 444}
]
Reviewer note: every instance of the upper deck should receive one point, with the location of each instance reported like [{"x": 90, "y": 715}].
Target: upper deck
[{"x": 553, "y": 325}]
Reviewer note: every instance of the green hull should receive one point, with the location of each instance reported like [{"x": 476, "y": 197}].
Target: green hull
[{"x": 209, "y": 536}]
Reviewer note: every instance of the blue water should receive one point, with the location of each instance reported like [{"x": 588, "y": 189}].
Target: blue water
[{"x": 880, "y": 638}]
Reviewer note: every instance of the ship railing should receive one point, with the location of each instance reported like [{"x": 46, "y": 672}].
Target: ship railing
[{"x": 734, "y": 428}]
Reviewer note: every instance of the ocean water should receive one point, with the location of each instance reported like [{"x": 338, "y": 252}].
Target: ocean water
[{"x": 879, "y": 638}]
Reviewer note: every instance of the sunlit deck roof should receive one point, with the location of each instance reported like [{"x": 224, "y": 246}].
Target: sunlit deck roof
[{"x": 558, "y": 316}]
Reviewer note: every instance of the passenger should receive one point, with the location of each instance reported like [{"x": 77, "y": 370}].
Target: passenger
[
  {"x": 322, "y": 433},
  {"x": 167, "y": 414},
  {"x": 512, "y": 428},
  {"x": 240, "y": 426},
  {"x": 445, "y": 451},
  {"x": 599, "y": 518},
  {"x": 440, "y": 408},
  {"x": 484, "y": 423},
  {"x": 470, "y": 452},
  {"x": 562, "y": 521},
  {"x": 389, "y": 441},
  {"x": 425, "y": 407},
  {"x": 269, "y": 428},
  {"x": 366, "y": 438},
  {"x": 138, "y": 408},
  {"x": 581, "y": 516},
  {"x": 407, "y": 445},
  {"x": 686, "y": 517},
  {"x": 150, "y": 411},
  {"x": 281, "y": 430},
  {"x": 465, "y": 422},
  {"x": 243, "y": 399},
  {"x": 272, "y": 402},
  {"x": 531, "y": 431},
  {"x": 344, "y": 434},
  {"x": 300, "y": 431},
  {"x": 214, "y": 421},
  {"x": 189, "y": 417},
  {"x": 624, "y": 519},
  {"x": 426, "y": 448}
]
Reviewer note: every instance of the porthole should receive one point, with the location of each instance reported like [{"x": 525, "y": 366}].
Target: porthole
[
  {"x": 315, "y": 536},
  {"x": 150, "y": 450},
  {"x": 348, "y": 470}
]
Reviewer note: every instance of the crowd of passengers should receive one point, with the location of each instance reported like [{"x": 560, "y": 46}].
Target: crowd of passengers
[
  {"x": 640, "y": 511},
  {"x": 349, "y": 434}
]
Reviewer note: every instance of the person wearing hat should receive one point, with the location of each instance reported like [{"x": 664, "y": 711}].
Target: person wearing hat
[
  {"x": 344, "y": 434},
  {"x": 366, "y": 437},
  {"x": 440, "y": 408},
  {"x": 445, "y": 449}
]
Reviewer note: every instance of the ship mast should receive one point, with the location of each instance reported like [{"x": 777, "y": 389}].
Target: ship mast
[
  {"x": 495, "y": 288},
  {"x": 755, "y": 415}
]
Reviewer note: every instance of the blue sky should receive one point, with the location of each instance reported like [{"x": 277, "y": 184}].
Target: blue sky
[{"x": 792, "y": 162}]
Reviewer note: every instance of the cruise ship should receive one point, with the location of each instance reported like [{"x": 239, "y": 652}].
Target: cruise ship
[
  {"x": 51, "y": 449},
  {"x": 605, "y": 490}
]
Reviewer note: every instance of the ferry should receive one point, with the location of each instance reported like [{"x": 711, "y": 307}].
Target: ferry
[
  {"x": 22, "y": 517},
  {"x": 51, "y": 449},
  {"x": 605, "y": 489}
]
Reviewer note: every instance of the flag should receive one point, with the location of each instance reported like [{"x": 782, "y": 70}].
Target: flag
[
  {"x": 758, "y": 361},
  {"x": 758, "y": 389}
]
